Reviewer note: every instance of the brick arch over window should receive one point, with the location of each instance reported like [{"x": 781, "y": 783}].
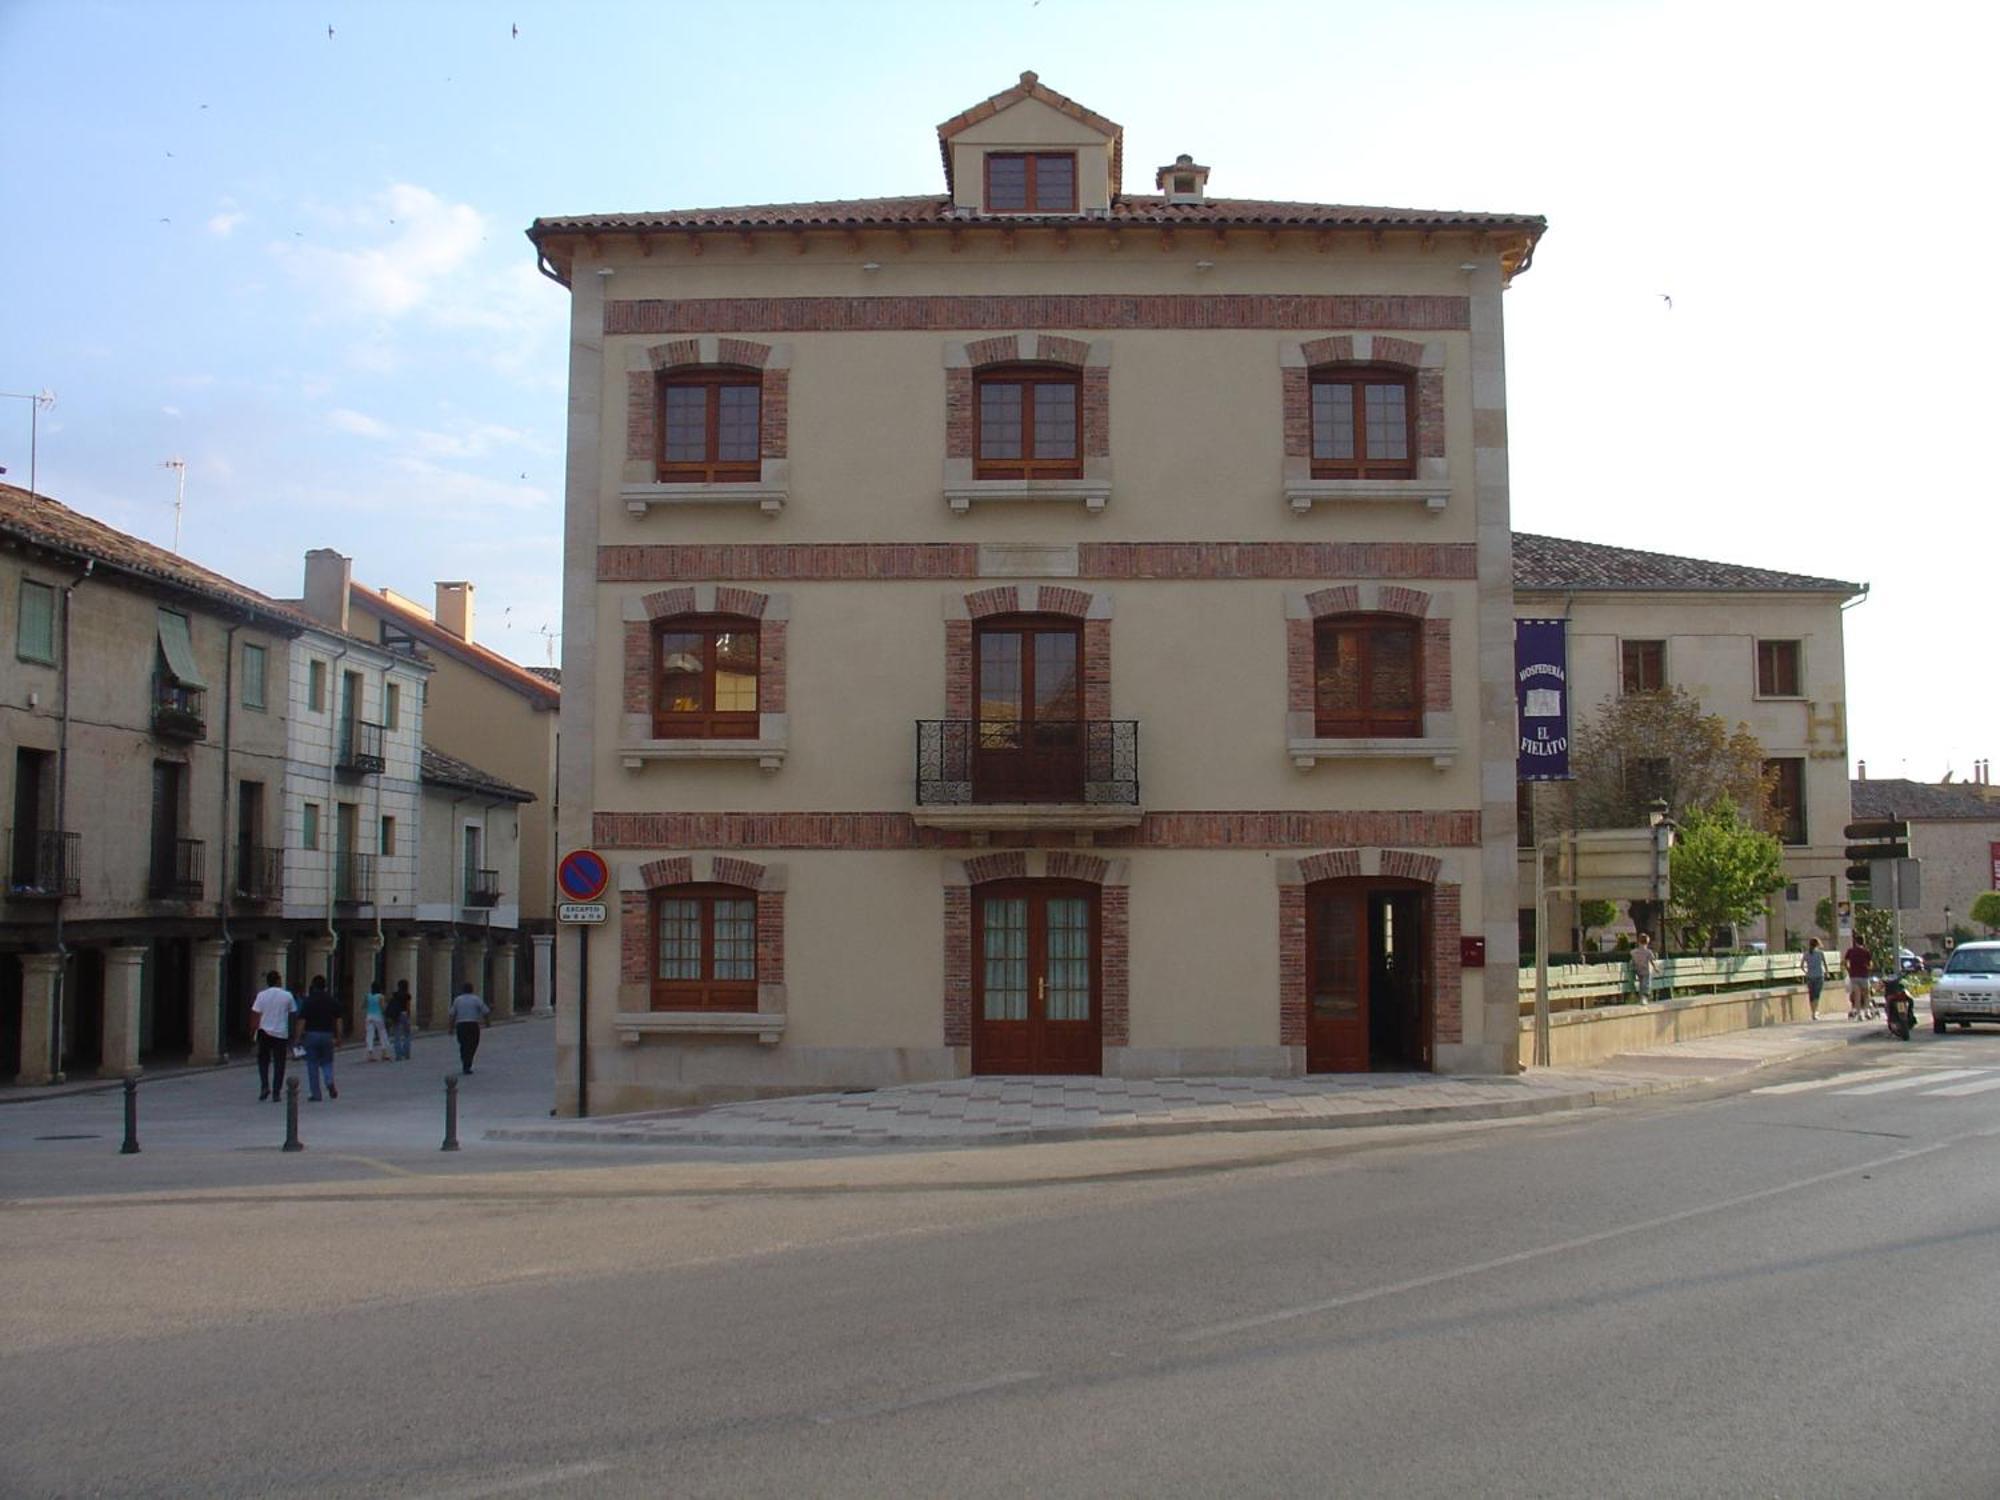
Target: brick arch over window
[
  {"x": 1424, "y": 362},
  {"x": 635, "y": 887},
  {"x": 1090, "y": 358},
  {"x": 1112, "y": 876},
  {"x": 1447, "y": 973},
  {"x": 646, "y": 364},
  {"x": 772, "y": 612},
  {"x": 962, "y": 612},
  {"x": 1304, "y": 610}
]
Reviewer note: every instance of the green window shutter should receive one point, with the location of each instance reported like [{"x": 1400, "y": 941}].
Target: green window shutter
[
  {"x": 253, "y": 676},
  {"x": 178, "y": 648},
  {"x": 37, "y": 637}
]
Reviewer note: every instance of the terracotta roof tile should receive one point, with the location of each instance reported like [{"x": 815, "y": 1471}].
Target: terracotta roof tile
[
  {"x": 1923, "y": 801},
  {"x": 47, "y": 523},
  {"x": 1031, "y": 87},
  {"x": 440, "y": 769},
  {"x": 527, "y": 682},
  {"x": 1556, "y": 563}
]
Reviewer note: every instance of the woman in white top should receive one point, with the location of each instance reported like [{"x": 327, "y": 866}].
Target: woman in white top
[{"x": 378, "y": 1026}]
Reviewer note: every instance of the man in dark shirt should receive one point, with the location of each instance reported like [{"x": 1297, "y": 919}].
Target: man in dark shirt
[
  {"x": 319, "y": 1021},
  {"x": 1858, "y": 961}
]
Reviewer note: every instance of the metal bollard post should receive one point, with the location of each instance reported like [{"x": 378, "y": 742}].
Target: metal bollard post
[
  {"x": 292, "y": 1115},
  {"x": 131, "y": 1146},
  {"x": 450, "y": 1114}
]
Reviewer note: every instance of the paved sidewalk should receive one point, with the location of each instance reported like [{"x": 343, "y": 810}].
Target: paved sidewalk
[{"x": 989, "y": 1111}]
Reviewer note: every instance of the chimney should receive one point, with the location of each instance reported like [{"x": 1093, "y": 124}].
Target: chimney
[
  {"x": 328, "y": 576},
  {"x": 1861, "y": 770},
  {"x": 454, "y": 609}
]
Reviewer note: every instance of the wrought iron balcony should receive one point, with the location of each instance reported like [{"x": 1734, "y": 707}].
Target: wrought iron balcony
[
  {"x": 42, "y": 864},
  {"x": 360, "y": 748},
  {"x": 177, "y": 711},
  {"x": 353, "y": 878},
  {"x": 260, "y": 873},
  {"x": 482, "y": 887},
  {"x": 1079, "y": 772},
  {"x": 177, "y": 870}
]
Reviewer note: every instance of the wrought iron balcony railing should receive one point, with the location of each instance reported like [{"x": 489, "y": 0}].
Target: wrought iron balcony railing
[
  {"x": 353, "y": 878},
  {"x": 177, "y": 710},
  {"x": 970, "y": 762},
  {"x": 360, "y": 748},
  {"x": 260, "y": 873},
  {"x": 482, "y": 887},
  {"x": 42, "y": 864},
  {"x": 177, "y": 870}
]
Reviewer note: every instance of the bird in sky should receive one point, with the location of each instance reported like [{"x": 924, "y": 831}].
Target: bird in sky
[
  {"x": 1668, "y": 300},
  {"x": 517, "y": 31},
  {"x": 329, "y": 33}
]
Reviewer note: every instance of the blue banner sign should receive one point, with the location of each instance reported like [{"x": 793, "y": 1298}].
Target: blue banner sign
[{"x": 1541, "y": 698}]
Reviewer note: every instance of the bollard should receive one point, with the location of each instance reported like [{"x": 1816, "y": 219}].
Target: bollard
[
  {"x": 292, "y": 1115},
  {"x": 131, "y": 1146},
  {"x": 450, "y": 1114}
]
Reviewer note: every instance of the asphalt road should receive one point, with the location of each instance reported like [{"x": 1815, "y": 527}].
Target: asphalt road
[{"x": 1787, "y": 1290}]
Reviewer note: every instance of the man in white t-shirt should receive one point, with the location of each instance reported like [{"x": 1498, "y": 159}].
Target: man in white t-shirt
[{"x": 271, "y": 1017}]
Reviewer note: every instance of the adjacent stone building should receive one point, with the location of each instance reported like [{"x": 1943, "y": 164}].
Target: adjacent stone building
[
  {"x": 1955, "y": 834},
  {"x": 1037, "y": 628}
]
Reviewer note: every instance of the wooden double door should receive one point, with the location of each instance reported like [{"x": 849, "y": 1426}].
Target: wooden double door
[
  {"x": 1368, "y": 982},
  {"x": 1036, "y": 967}
]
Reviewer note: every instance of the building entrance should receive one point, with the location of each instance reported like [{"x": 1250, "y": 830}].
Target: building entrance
[
  {"x": 1368, "y": 986},
  {"x": 1035, "y": 978}
]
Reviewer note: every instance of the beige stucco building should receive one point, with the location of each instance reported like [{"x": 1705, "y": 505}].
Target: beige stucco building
[
  {"x": 1034, "y": 627},
  {"x": 1954, "y": 835},
  {"x": 1756, "y": 646}
]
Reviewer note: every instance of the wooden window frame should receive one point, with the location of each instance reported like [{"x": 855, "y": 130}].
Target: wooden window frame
[
  {"x": 1767, "y": 652},
  {"x": 256, "y": 685},
  {"x": 1027, "y": 466},
  {"x": 1031, "y": 185},
  {"x": 315, "y": 685},
  {"x": 707, "y": 724},
  {"x": 1788, "y": 813},
  {"x": 1356, "y": 379},
  {"x": 1633, "y": 654},
  {"x": 705, "y": 992},
  {"x": 710, "y": 469},
  {"x": 392, "y": 706},
  {"x": 1366, "y": 723}
]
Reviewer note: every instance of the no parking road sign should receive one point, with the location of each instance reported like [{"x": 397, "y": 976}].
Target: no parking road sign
[{"x": 583, "y": 875}]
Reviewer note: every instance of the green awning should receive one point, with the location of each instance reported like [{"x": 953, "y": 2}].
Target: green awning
[{"x": 178, "y": 649}]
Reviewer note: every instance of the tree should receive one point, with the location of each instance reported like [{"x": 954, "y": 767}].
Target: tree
[
  {"x": 1875, "y": 930},
  {"x": 1646, "y": 746},
  {"x": 1591, "y": 914},
  {"x": 1723, "y": 870},
  {"x": 1823, "y": 915},
  {"x": 1986, "y": 910}
]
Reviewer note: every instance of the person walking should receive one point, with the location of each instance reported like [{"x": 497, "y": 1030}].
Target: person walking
[
  {"x": 1813, "y": 964},
  {"x": 400, "y": 1006},
  {"x": 1643, "y": 961},
  {"x": 467, "y": 1011},
  {"x": 375, "y": 1018},
  {"x": 1858, "y": 961},
  {"x": 271, "y": 1023},
  {"x": 319, "y": 1020}
]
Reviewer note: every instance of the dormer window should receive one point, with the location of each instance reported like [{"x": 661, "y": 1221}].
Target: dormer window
[{"x": 1031, "y": 182}]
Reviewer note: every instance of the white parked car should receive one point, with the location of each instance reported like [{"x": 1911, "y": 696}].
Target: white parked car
[{"x": 1968, "y": 989}]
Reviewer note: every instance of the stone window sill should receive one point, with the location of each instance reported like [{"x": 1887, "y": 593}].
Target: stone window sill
[
  {"x": 1303, "y": 494},
  {"x": 769, "y": 754},
  {"x": 1091, "y": 494},
  {"x": 640, "y": 498},
  {"x": 631, "y": 1026},
  {"x": 1305, "y": 753}
]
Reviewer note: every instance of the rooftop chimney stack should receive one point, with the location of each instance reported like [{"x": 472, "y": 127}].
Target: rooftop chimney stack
[
  {"x": 1861, "y": 770},
  {"x": 328, "y": 576},
  {"x": 1183, "y": 180},
  {"x": 454, "y": 609}
]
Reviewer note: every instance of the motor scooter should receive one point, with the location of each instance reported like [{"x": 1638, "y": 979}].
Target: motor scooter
[{"x": 1898, "y": 1008}]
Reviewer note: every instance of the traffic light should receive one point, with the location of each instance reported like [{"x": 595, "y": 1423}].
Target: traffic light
[{"x": 1876, "y": 838}]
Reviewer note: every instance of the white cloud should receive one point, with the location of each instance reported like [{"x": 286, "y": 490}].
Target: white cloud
[
  {"x": 171, "y": 411},
  {"x": 224, "y": 223},
  {"x": 357, "y": 423},
  {"x": 428, "y": 242},
  {"x": 473, "y": 441}
]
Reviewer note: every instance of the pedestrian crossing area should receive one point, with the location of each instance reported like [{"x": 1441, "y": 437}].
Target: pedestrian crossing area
[{"x": 1918, "y": 1082}]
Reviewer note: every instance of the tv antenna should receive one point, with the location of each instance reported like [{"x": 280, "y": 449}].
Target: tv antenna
[
  {"x": 40, "y": 401},
  {"x": 180, "y": 468}
]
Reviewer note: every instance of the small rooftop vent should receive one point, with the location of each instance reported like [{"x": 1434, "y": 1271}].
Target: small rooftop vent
[{"x": 1183, "y": 181}]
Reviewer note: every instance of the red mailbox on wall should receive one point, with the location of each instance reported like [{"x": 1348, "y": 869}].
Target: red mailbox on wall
[{"x": 1472, "y": 952}]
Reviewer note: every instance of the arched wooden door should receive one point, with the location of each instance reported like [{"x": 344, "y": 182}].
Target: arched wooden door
[
  {"x": 1368, "y": 981},
  {"x": 1036, "y": 1004}
]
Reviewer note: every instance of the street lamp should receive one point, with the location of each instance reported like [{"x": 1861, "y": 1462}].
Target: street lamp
[{"x": 1663, "y": 838}]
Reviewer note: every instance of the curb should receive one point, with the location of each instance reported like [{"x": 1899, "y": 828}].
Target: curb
[{"x": 1421, "y": 1114}]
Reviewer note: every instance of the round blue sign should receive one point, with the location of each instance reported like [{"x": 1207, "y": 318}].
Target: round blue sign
[{"x": 583, "y": 875}]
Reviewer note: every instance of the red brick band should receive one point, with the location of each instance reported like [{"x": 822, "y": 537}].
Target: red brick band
[
  {"x": 875, "y": 831},
  {"x": 813, "y": 562},
  {"x": 1291, "y": 966},
  {"x": 1000, "y": 313}
]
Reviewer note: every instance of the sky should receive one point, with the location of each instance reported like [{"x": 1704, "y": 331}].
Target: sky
[{"x": 294, "y": 260}]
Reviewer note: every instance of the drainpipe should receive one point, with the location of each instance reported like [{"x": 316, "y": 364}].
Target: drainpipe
[
  {"x": 332, "y": 761},
  {"x": 222, "y": 890},
  {"x": 62, "y": 806}
]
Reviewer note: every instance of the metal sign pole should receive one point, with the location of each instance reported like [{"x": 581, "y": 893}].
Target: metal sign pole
[{"x": 1542, "y": 1039}]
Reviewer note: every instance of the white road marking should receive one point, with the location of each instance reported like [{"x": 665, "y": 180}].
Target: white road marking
[
  {"x": 540, "y": 1479},
  {"x": 1563, "y": 1247},
  {"x": 1912, "y": 1083},
  {"x": 1957, "y": 1089},
  {"x": 1823, "y": 1083},
  {"x": 929, "y": 1398}
]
